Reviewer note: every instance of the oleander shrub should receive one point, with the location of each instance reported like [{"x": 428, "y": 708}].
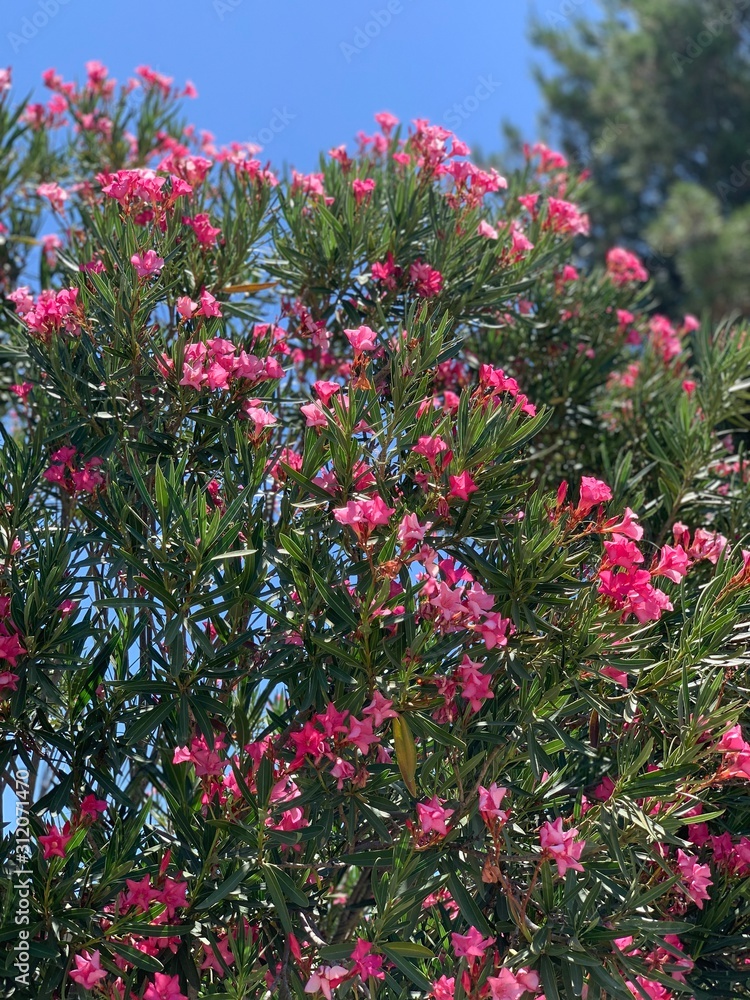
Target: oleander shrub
[{"x": 373, "y": 601}]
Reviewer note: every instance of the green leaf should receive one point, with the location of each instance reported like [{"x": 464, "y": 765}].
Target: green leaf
[
  {"x": 408, "y": 968},
  {"x": 406, "y": 752},
  {"x": 222, "y": 891}
]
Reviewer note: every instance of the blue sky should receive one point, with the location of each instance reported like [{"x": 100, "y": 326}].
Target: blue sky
[{"x": 301, "y": 75}]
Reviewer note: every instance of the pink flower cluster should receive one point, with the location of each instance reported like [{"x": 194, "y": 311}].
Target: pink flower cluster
[
  {"x": 696, "y": 877},
  {"x": 481, "y": 957},
  {"x": 561, "y": 846},
  {"x": 325, "y": 978},
  {"x": 56, "y": 195},
  {"x": 55, "y": 841},
  {"x": 454, "y": 601},
  {"x": 427, "y": 281},
  {"x": 705, "y": 544},
  {"x": 51, "y": 313},
  {"x": 217, "y": 365},
  {"x": 493, "y": 383},
  {"x": 170, "y": 894},
  {"x": 661, "y": 960},
  {"x": 736, "y": 753},
  {"x": 332, "y": 736},
  {"x": 363, "y": 516},
  {"x": 11, "y": 648},
  {"x": 624, "y": 267},
  {"x": 205, "y": 233},
  {"x": 566, "y": 218},
  {"x": 143, "y": 194},
  {"x": 433, "y": 817},
  {"x": 472, "y": 184},
  {"x": 626, "y": 586},
  {"x": 74, "y": 476}
]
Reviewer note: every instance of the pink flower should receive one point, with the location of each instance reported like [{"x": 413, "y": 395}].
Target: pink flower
[
  {"x": 91, "y": 807},
  {"x": 52, "y": 313},
  {"x": 625, "y": 526},
  {"x": 494, "y": 630},
  {"x": 470, "y": 945},
  {"x": 380, "y": 709},
  {"x": 426, "y": 280},
  {"x": 217, "y": 377},
  {"x": 209, "y": 306},
  {"x": 385, "y": 120},
  {"x": 673, "y": 563},
  {"x": 325, "y": 391},
  {"x": 624, "y": 267},
  {"x": 362, "y": 339},
  {"x": 88, "y": 970},
  {"x": 11, "y": 648},
  {"x": 565, "y": 217},
  {"x": 387, "y": 273},
  {"x": 410, "y": 531},
  {"x": 138, "y": 894},
  {"x": 164, "y": 987},
  {"x": 604, "y": 790},
  {"x": 22, "y": 390},
  {"x": 8, "y": 681},
  {"x": 214, "y": 956},
  {"x": 261, "y": 419},
  {"x": 314, "y": 415},
  {"x": 56, "y": 195},
  {"x": 444, "y": 988},
  {"x": 55, "y": 841},
  {"x": 550, "y": 159},
  {"x": 633, "y": 592},
  {"x": 520, "y": 243},
  {"x": 193, "y": 376},
  {"x": 697, "y": 877},
  {"x": 476, "y": 687},
  {"x": 433, "y": 817},
  {"x": 485, "y": 229},
  {"x": 561, "y": 846},
  {"x": 618, "y": 676},
  {"x": 490, "y": 800},
  {"x": 361, "y": 734},
  {"x": 621, "y": 551},
  {"x": 343, "y": 771},
  {"x": 652, "y": 989},
  {"x": 159, "y": 82},
  {"x": 365, "y": 963},
  {"x": 362, "y": 189},
  {"x": 462, "y": 486},
  {"x": 664, "y": 338},
  {"x": 505, "y": 986},
  {"x": 732, "y": 741},
  {"x": 186, "y": 307},
  {"x": 326, "y": 978},
  {"x": 311, "y": 184},
  {"x": 23, "y": 302},
  {"x": 205, "y": 233},
  {"x": 51, "y": 243},
  {"x": 593, "y": 492},
  {"x": 364, "y": 515},
  {"x": 147, "y": 263}
]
